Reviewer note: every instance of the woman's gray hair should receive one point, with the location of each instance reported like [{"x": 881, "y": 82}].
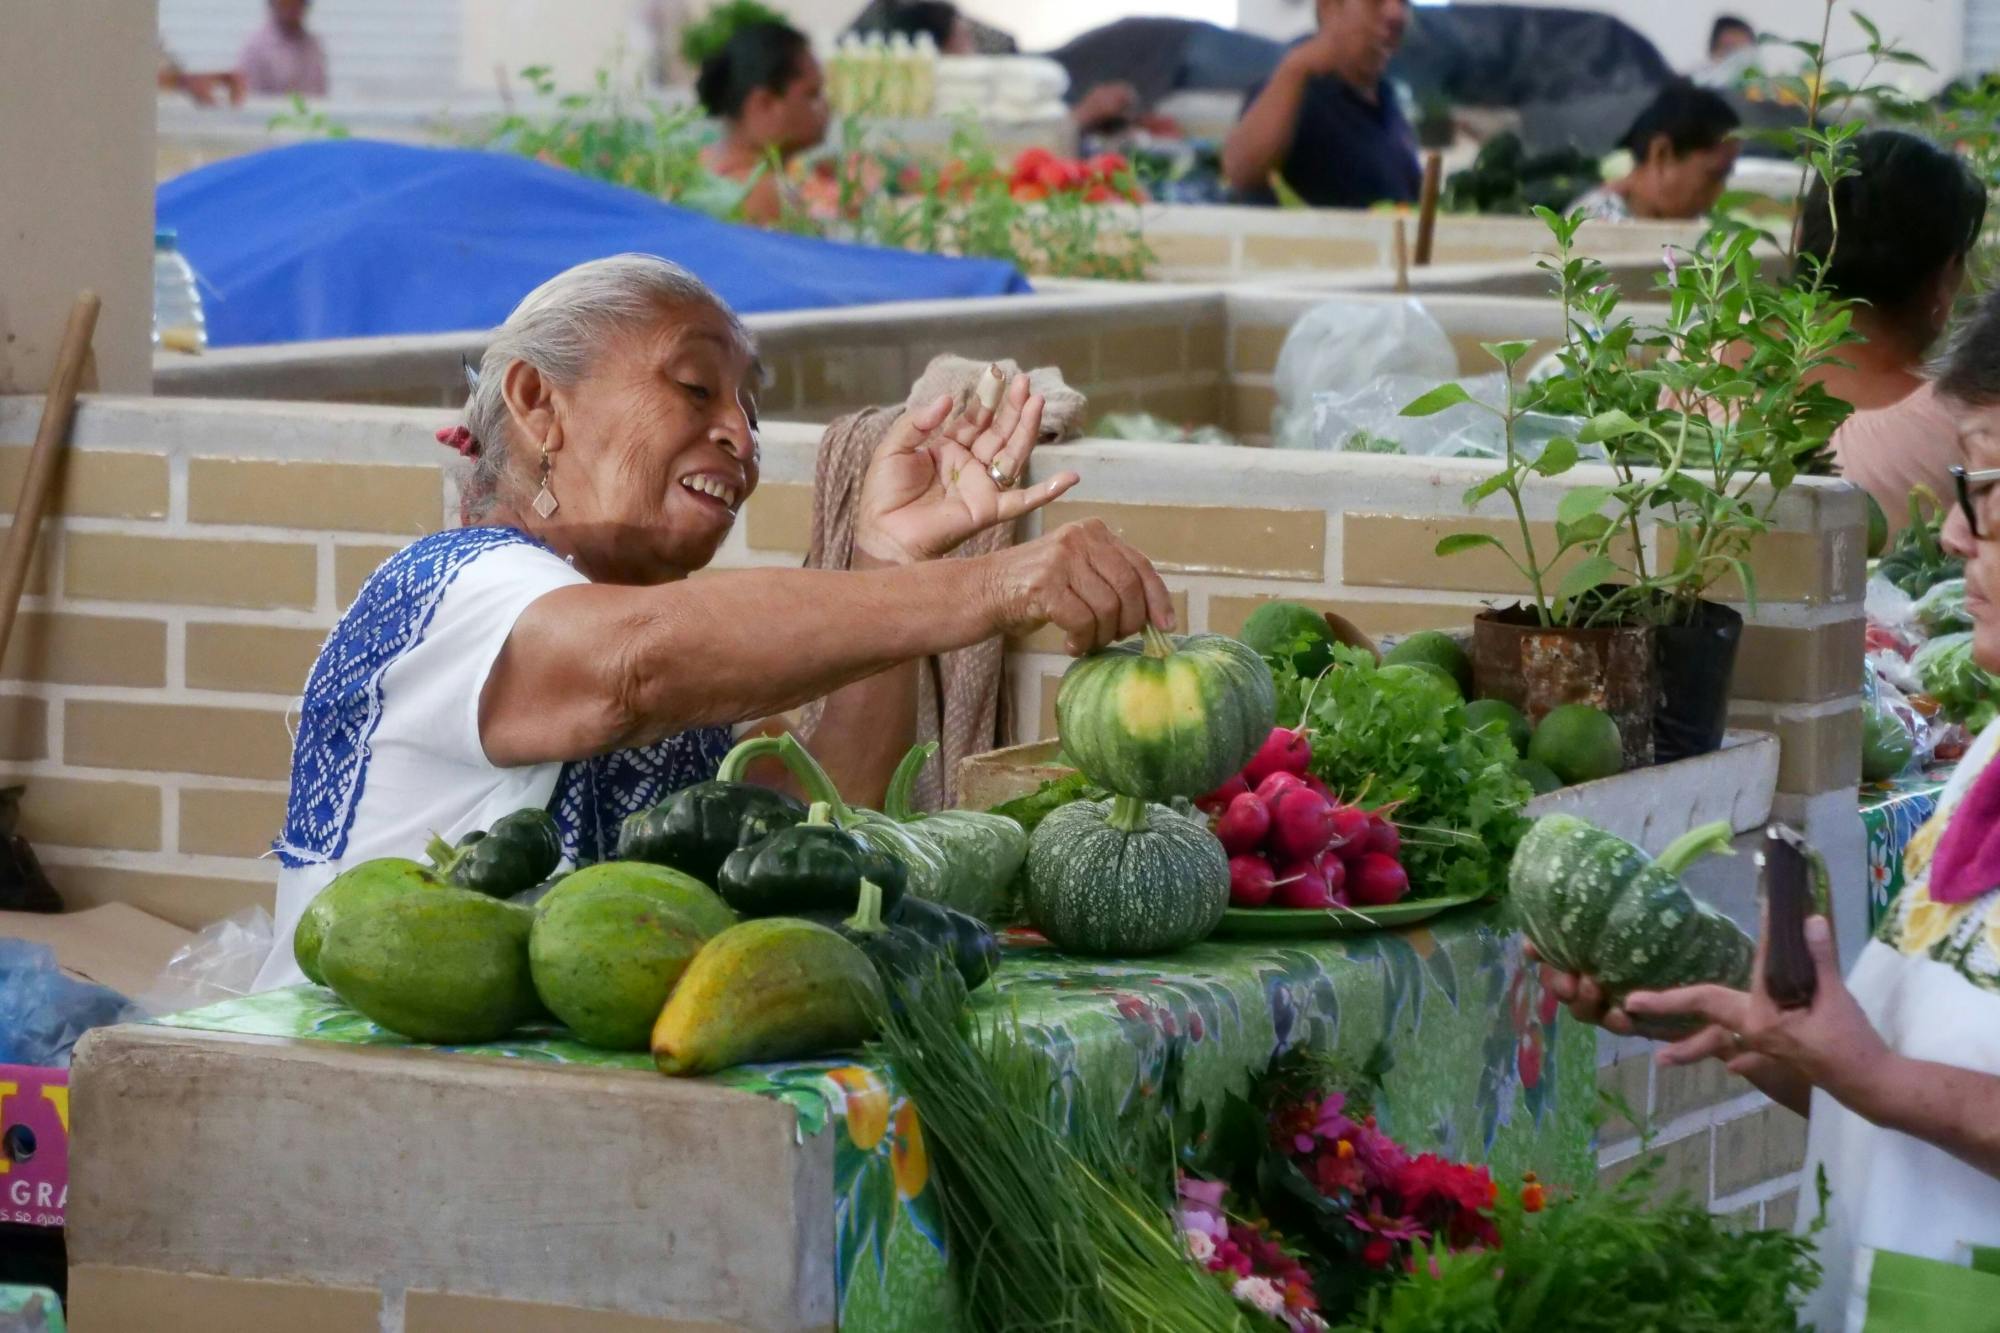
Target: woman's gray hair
[{"x": 559, "y": 328}]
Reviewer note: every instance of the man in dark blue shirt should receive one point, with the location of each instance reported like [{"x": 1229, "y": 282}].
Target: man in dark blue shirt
[{"x": 1326, "y": 120}]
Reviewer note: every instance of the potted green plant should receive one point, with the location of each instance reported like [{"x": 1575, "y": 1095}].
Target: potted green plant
[{"x": 1705, "y": 421}]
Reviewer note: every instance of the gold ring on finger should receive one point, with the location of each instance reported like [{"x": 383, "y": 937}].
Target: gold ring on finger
[
  {"x": 1004, "y": 480},
  {"x": 1738, "y": 1046}
]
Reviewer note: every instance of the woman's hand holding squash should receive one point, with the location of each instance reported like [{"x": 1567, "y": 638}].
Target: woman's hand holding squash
[
  {"x": 1082, "y": 579},
  {"x": 928, "y": 488}
]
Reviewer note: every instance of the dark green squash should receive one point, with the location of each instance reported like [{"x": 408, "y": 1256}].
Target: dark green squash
[
  {"x": 1124, "y": 878},
  {"x": 1593, "y": 903}
]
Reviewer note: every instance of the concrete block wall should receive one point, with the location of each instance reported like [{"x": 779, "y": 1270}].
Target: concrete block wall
[{"x": 1208, "y": 243}]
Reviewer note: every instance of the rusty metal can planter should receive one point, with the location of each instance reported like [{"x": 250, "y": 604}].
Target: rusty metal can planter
[{"x": 1537, "y": 669}]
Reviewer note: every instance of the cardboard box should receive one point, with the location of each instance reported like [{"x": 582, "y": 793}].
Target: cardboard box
[
  {"x": 34, "y": 1145},
  {"x": 114, "y": 945}
]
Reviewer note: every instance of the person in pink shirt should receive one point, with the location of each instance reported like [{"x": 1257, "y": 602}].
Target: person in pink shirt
[
  {"x": 1908, "y": 219},
  {"x": 281, "y": 57}
]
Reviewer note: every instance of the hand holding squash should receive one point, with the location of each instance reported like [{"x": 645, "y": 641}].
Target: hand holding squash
[
  {"x": 928, "y": 488},
  {"x": 1083, "y": 579},
  {"x": 1829, "y": 1044}
]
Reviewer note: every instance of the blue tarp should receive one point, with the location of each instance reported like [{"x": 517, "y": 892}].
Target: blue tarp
[{"x": 350, "y": 238}]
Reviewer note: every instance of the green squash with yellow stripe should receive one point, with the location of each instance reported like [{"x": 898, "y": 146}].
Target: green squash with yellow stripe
[{"x": 1159, "y": 716}]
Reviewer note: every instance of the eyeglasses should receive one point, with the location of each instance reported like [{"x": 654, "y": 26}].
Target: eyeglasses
[{"x": 1972, "y": 487}]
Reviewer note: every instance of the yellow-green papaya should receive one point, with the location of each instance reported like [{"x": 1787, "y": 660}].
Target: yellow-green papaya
[
  {"x": 369, "y": 882},
  {"x": 678, "y": 892},
  {"x": 771, "y": 989},
  {"x": 605, "y": 959},
  {"x": 449, "y": 966}
]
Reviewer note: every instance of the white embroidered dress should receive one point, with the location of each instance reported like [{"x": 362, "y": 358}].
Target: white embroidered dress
[
  {"x": 1930, "y": 983},
  {"x": 388, "y": 748}
]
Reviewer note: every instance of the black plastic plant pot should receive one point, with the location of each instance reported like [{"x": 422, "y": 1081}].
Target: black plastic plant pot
[{"x": 1694, "y": 663}]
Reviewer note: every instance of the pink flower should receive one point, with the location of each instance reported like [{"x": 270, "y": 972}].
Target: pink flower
[
  {"x": 1198, "y": 1221},
  {"x": 1205, "y": 1192},
  {"x": 1229, "y": 1256},
  {"x": 1375, "y": 1222},
  {"x": 1201, "y": 1248},
  {"x": 1377, "y": 1253},
  {"x": 1673, "y": 266},
  {"x": 1260, "y": 1294}
]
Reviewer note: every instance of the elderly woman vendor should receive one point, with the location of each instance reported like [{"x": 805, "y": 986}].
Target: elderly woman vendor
[
  {"x": 554, "y": 652},
  {"x": 1898, "y": 1065}
]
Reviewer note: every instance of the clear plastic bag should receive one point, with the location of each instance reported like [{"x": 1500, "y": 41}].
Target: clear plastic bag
[
  {"x": 219, "y": 963},
  {"x": 1344, "y": 345},
  {"x": 1879, "y": 694},
  {"x": 43, "y": 1011},
  {"x": 1369, "y": 419}
]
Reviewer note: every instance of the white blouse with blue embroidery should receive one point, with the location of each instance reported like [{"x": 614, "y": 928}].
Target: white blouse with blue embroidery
[{"x": 388, "y": 749}]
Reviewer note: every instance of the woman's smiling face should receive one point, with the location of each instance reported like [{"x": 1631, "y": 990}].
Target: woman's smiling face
[{"x": 656, "y": 448}]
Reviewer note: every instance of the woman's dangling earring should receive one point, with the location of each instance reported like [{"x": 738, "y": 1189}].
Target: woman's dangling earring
[{"x": 545, "y": 499}]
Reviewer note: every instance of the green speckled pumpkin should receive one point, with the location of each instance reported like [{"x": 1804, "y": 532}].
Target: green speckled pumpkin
[
  {"x": 1592, "y": 902},
  {"x": 1158, "y": 717},
  {"x": 1122, "y": 878}
]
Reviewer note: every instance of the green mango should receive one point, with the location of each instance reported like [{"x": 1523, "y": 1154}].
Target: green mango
[
  {"x": 449, "y": 966},
  {"x": 605, "y": 959},
  {"x": 677, "y": 891},
  {"x": 369, "y": 882}
]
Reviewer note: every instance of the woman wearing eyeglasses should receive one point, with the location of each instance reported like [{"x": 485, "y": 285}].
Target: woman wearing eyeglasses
[{"x": 1898, "y": 1065}]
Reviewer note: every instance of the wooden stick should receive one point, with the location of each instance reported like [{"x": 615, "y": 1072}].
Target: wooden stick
[
  {"x": 1427, "y": 206},
  {"x": 1402, "y": 256},
  {"x": 45, "y": 460}
]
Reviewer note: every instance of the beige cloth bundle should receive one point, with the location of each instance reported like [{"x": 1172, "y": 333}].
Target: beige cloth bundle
[{"x": 959, "y": 693}]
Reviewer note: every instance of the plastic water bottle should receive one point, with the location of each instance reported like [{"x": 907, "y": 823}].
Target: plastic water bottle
[{"x": 178, "y": 324}]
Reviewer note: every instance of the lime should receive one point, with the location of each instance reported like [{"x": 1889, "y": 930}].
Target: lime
[
  {"x": 1538, "y": 776},
  {"x": 1438, "y": 649},
  {"x": 1287, "y": 630},
  {"x": 1482, "y": 713},
  {"x": 1578, "y": 743}
]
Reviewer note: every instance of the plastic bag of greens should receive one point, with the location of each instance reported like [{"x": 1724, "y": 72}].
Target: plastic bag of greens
[
  {"x": 1965, "y": 691},
  {"x": 1368, "y": 418},
  {"x": 1895, "y": 737},
  {"x": 1942, "y": 609},
  {"x": 1154, "y": 430},
  {"x": 1343, "y": 346}
]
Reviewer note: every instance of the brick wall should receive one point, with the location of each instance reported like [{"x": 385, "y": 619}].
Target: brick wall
[
  {"x": 170, "y": 620},
  {"x": 1193, "y": 354}
]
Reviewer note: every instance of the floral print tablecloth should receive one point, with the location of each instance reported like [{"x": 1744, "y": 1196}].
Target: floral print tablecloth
[
  {"x": 1481, "y": 1067},
  {"x": 1891, "y": 814}
]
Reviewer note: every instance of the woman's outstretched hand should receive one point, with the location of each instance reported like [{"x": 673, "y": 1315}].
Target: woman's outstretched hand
[{"x": 928, "y": 488}]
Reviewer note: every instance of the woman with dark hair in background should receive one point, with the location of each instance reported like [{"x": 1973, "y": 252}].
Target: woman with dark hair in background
[
  {"x": 766, "y": 88},
  {"x": 1683, "y": 149},
  {"x": 1907, "y": 220}
]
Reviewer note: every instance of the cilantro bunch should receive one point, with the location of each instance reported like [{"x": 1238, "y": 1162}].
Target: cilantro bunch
[{"x": 1393, "y": 740}]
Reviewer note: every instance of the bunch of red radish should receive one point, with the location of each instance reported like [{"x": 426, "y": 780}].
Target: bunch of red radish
[{"x": 1293, "y": 843}]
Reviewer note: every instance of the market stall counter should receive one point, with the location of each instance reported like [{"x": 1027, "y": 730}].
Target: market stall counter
[{"x": 282, "y": 1156}]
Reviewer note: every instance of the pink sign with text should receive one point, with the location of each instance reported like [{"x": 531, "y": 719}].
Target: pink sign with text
[{"x": 34, "y": 1145}]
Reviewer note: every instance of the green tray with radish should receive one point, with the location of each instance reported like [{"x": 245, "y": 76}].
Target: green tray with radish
[{"x": 1252, "y": 923}]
